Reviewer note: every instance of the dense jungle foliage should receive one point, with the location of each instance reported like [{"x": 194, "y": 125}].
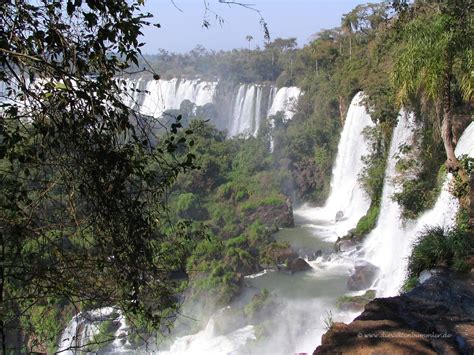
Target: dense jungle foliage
[{"x": 93, "y": 211}]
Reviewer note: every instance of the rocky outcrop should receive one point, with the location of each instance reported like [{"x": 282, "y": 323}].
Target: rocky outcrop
[
  {"x": 273, "y": 215},
  {"x": 355, "y": 303},
  {"x": 436, "y": 317},
  {"x": 310, "y": 254},
  {"x": 362, "y": 277},
  {"x": 298, "y": 265},
  {"x": 349, "y": 242}
]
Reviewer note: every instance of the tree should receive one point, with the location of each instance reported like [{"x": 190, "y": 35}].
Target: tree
[
  {"x": 364, "y": 19},
  {"x": 84, "y": 178},
  {"x": 434, "y": 60},
  {"x": 249, "y": 39}
]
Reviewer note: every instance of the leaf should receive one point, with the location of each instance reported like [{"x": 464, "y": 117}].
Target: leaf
[{"x": 60, "y": 86}]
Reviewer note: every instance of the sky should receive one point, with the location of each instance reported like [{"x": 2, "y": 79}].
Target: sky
[{"x": 181, "y": 25}]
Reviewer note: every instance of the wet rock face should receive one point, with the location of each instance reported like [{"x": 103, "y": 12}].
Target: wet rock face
[
  {"x": 293, "y": 266},
  {"x": 297, "y": 265},
  {"x": 310, "y": 254},
  {"x": 362, "y": 277},
  {"x": 436, "y": 317},
  {"x": 348, "y": 245}
]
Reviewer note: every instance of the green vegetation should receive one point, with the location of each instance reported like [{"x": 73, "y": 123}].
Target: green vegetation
[
  {"x": 105, "y": 335},
  {"x": 355, "y": 301},
  {"x": 96, "y": 213},
  {"x": 240, "y": 199},
  {"x": 427, "y": 175},
  {"x": 258, "y": 301},
  {"x": 433, "y": 61},
  {"x": 367, "y": 222},
  {"x": 434, "y": 248},
  {"x": 83, "y": 219}
]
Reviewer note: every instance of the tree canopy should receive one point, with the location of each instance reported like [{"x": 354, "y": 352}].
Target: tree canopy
[{"x": 83, "y": 219}]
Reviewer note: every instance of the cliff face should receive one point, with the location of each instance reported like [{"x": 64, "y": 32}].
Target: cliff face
[{"x": 437, "y": 317}]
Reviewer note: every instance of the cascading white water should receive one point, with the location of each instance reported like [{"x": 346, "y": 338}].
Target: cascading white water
[
  {"x": 79, "y": 334},
  {"x": 347, "y": 195},
  {"x": 285, "y": 100},
  {"x": 385, "y": 240},
  {"x": 465, "y": 145},
  {"x": 162, "y": 95},
  {"x": 207, "y": 342},
  {"x": 389, "y": 245},
  {"x": 250, "y": 102},
  {"x": 248, "y": 110}
]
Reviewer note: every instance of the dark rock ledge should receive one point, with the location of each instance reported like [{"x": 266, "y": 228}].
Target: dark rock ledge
[{"x": 436, "y": 317}]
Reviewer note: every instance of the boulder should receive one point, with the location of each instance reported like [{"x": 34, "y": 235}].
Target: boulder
[
  {"x": 298, "y": 265},
  {"x": 348, "y": 245},
  {"x": 362, "y": 277},
  {"x": 436, "y": 317},
  {"x": 339, "y": 216},
  {"x": 280, "y": 215},
  {"x": 309, "y": 254}
]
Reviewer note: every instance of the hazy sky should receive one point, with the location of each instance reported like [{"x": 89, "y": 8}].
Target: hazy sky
[{"x": 182, "y": 31}]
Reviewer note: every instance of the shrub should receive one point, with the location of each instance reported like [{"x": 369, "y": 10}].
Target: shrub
[
  {"x": 368, "y": 222},
  {"x": 409, "y": 284},
  {"x": 239, "y": 241},
  {"x": 275, "y": 200},
  {"x": 434, "y": 248},
  {"x": 189, "y": 206}
]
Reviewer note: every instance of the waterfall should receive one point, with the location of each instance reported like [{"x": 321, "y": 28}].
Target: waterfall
[
  {"x": 386, "y": 240},
  {"x": 248, "y": 110},
  {"x": 465, "y": 145},
  {"x": 85, "y": 326},
  {"x": 347, "y": 195},
  {"x": 250, "y": 103},
  {"x": 157, "y": 96},
  {"x": 389, "y": 245},
  {"x": 285, "y": 100}
]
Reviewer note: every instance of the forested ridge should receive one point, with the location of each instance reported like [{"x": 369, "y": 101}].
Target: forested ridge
[{"x": 97, "y": 209}]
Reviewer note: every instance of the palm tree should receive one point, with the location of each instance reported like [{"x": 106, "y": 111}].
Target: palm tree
[
  {"x": 435, "y": 54},
  {"x": 249, "y": 39}
]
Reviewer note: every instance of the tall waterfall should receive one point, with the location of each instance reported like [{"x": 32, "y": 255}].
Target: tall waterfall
[
  {"x": 246, "y": 110},
  {"x": 347, "y": 195},
  {"x": 248, "y": 107},
  {"x": 385, "y": 243},
  {"x": 389, "y": 245}
]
